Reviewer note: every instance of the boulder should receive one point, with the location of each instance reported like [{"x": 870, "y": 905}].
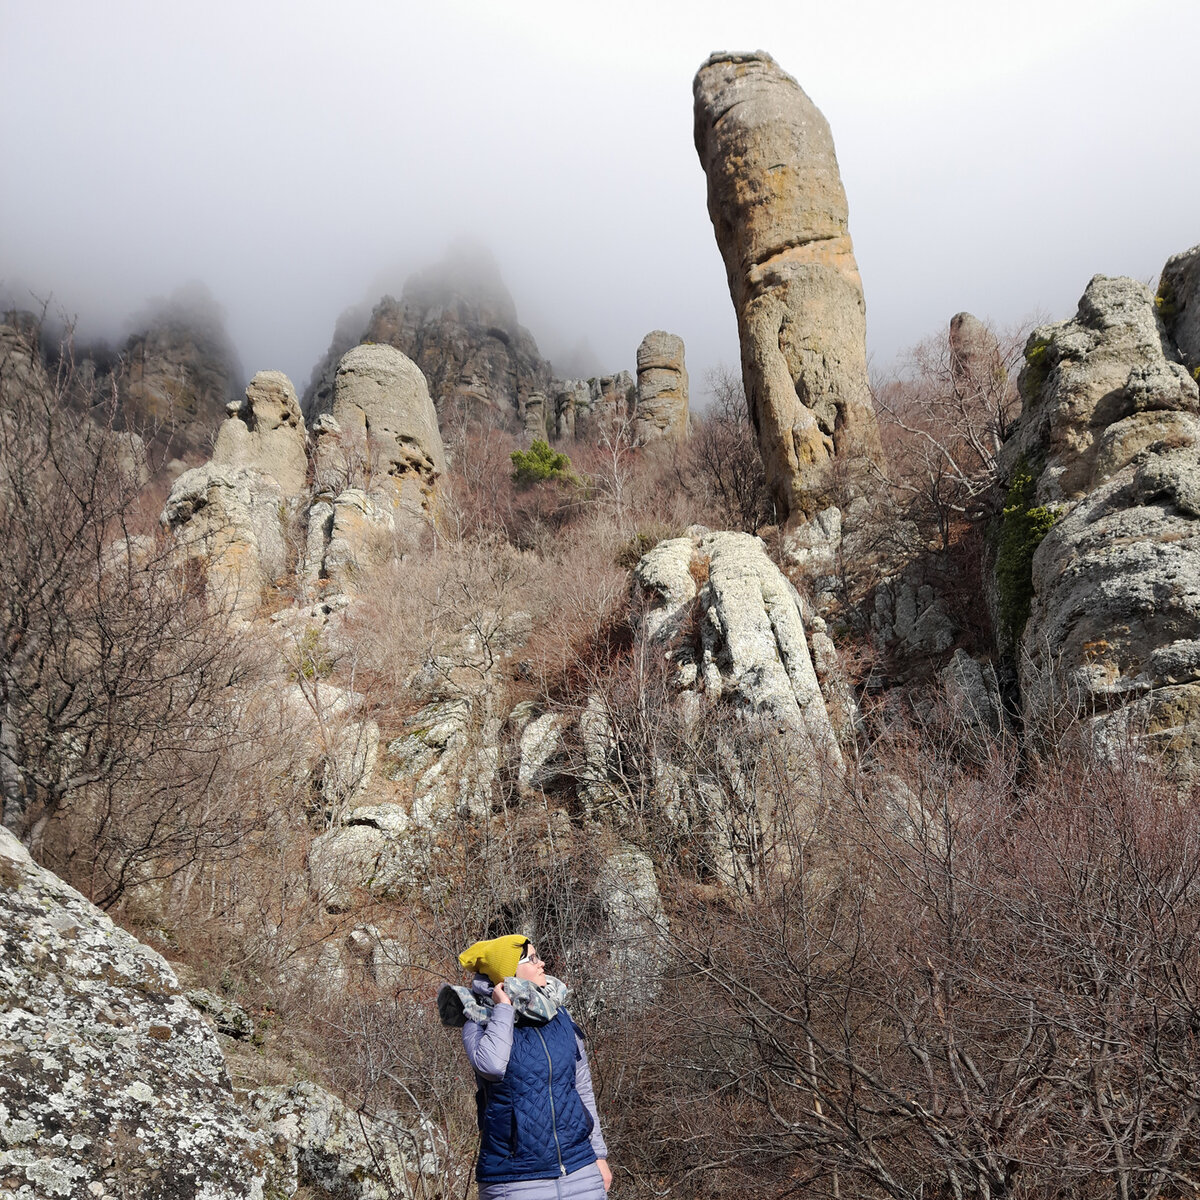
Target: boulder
[
  {"x": 265, "y": 432},
  {"x": 369, "y": 852},
  {"x": 752, "y": 653},
  {"x": 111, "y": 1083},
  {"x": 327, "y": 1149},
  {"x": 779, "y": 212},
  {"x": 662, "y": 389}
]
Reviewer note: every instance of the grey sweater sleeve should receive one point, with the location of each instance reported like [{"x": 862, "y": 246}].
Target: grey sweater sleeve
[
  {"x": 583, "y": 1085},
  {"x": 488, "y": 1046}
]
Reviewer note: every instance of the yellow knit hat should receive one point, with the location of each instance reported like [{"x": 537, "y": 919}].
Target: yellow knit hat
[{"x": 496, "y": 958}]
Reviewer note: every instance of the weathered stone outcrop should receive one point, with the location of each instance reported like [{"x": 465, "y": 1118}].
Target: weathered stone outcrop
[
  {"x": 587, "y": 409},
  {"x": 752, "y": 652},
  {"x": 975, "y": 358},
  {"x": 229, "y": 520},
  {"x": 458, "y": 323},
  {"x": 265, "y": 432},
  {"x": 111, "y": 1083},
  {"x": 1178, "y": 303},
  {"x": 377, "y": 465},
  {"x": 662, "y": 389},
  {"x": 1105, "y": 463},
  {"x": 387, "y": 428},
  {"x": 781, "y": 221}
]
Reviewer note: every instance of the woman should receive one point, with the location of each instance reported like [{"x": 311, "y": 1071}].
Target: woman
[{"x": 539, "y": 1133}]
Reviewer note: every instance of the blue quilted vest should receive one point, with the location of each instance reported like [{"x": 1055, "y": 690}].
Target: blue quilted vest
[{"x": 532, "y": 1124}]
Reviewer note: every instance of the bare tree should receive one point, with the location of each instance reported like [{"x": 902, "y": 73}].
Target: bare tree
[
  {"x": 945, "y": 416},
  {"x": 723, "y": 458},
  {"x": 118, "y": 682}
]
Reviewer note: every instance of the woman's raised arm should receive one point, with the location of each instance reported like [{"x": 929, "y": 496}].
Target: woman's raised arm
[{"x": 488, "y": 1046}]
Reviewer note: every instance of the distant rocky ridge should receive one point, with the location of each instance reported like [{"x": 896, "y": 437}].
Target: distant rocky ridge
[
  {"x": 780, "y": 217},
  {"x": 458, "y": 323}
]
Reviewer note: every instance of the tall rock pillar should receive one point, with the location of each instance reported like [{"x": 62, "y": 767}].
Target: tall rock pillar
[{"x": 779, "y": 212}]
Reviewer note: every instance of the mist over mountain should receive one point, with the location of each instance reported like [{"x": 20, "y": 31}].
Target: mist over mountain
[{"x": 989, "y": 170}]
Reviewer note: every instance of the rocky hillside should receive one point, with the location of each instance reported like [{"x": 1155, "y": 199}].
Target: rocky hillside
[{"x": 848, "y": 724}]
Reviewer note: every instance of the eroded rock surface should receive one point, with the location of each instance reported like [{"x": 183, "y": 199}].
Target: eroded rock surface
[
  {"x": 662, "y": 389},
  {"x": 1109, "y": 437},
  {"x": 752, "y": 651},
  {"x": 265, "y": 431},
  {"x": 336, "y": 1152},
  {"x": 229, "y": 520},
  {"x": 111, "y": 1083},
  {"x": 781, "y": 221}
]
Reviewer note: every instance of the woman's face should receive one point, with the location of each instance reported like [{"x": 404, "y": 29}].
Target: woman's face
[{"x": 531, "y": 967}]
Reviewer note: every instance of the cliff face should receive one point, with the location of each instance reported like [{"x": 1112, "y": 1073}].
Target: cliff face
[
  {"x": 179, "y": 372},
  {"x": 1099, "y": 546},
  {"x": 780, "y": 217}
]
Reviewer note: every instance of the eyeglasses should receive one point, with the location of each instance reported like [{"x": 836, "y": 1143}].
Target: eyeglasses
[{"x": 531, "y": 956}]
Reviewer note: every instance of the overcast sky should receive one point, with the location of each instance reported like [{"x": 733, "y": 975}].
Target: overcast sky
[{"x": 299, "y": 157}]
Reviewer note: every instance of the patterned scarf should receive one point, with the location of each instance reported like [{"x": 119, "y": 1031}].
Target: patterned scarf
[{"x": 535, "y": 1006}]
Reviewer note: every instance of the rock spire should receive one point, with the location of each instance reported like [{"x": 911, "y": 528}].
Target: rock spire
[{"x": 780, "y": 217}]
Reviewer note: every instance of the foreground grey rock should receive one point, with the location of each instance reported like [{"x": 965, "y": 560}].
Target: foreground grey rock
[
  {"x": 1109, "y": 444},
  {"x": 337, "y": 1152},
  {"x": 111, "y": 1083},
  {"x": 779, "y": 212}
]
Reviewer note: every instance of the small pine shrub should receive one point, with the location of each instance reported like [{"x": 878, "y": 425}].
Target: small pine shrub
[{"x": 539, "y": 464}]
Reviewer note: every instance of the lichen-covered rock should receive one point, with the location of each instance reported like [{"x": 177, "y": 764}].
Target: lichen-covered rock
[
  {"x": 111, "y": 1083},
  {"x": 781, "y": 222},
  {"x": 1178, "y": 303},
  {"x": 265, "y": 431},
  {"x": 662, "y": 389},
  {"x": 230, "y": 520},
  {"x": 328, "y": 1150},
  {"x": 1113, "y": 362},
  {"x": 1109, "y": 444}
]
